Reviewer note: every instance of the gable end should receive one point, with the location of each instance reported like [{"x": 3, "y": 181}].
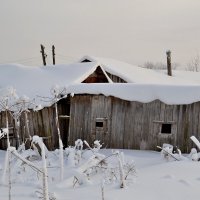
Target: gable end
[{"x": 97, "y": 76}]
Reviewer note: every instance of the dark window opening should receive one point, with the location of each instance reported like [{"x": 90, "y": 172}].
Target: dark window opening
[
  {"x": 86, "y": 60},
  {"x": 99, "y": 124},
  {"x": 166, "y": 128}
]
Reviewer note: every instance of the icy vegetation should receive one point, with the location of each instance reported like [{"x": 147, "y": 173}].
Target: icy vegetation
[
  {"x": 38, "y": 168},
  {"x": 90, "y": 172}
]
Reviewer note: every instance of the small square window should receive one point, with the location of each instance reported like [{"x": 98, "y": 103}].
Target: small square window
[
  {"x": 99, "y": 124},
  {"x": 166, "y": 128}
]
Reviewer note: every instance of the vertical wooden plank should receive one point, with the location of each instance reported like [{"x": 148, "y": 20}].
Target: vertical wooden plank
[
  {"x": 101, "y": 110},
  {"x": 118, "y": 121}
]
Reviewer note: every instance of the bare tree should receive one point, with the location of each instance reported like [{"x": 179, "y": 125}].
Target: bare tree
[
  {"x": 158, "y": 65},
  {"x": 194, "y": 64},
  {"x": 57, "y": 94},
  {"x": 149, "y": 65}
]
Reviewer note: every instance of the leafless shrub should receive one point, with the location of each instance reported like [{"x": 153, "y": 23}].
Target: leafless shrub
[{"x": 194, "y": 64}]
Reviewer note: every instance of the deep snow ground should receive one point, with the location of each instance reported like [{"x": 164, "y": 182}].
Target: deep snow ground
[{"x": 156, "y": 179}]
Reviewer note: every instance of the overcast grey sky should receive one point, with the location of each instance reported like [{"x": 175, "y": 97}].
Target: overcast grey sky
[{"x": 134, "y": 31}]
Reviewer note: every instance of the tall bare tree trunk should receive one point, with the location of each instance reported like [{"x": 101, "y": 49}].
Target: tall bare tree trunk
[
  {"x": 17, "y": 131},
  {"x": 121, "y": 171},
  {"x": 27, "y": 124},
  {"x": 60, "y": 143},
  {"x": 9, "y": 156},
  {"x": 45, "y": 181}
]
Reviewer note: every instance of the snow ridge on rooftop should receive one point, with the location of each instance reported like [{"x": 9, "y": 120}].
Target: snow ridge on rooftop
[{"x": 144, "y": 85}]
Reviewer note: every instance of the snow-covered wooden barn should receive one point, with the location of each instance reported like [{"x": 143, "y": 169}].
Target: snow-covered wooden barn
[{"x": 122, "y": 105}]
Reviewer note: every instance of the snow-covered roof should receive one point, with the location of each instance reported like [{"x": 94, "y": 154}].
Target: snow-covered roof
[
  {"x": 145, "y": 93},
  {"x": 143, "y": 85},
  {"x": 135, "y": 74}
]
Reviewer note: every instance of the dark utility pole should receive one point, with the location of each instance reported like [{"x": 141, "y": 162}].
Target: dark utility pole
[
  {"x": 43, "y": 54},
  {"x": 169, "y": 65},
  {"x": 53, "y": 54}
]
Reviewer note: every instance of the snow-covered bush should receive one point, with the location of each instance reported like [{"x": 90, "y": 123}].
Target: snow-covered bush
[
  {"x": 22, "y": 166},
  {"x": 37, "y": 143},
  {"x": 78, "y": 151},
  {"x": 3, "y": 132},
  {"x": 170, "y": 152},
  {"x": 97, "y": 145},
  {"x": 194, "y": 155},
  {"x": 90, "y": 163}
]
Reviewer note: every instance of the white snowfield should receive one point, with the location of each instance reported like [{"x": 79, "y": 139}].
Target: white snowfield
[
  {"x": 143, "y": 85},
  {"x": 156, "y": 179}
]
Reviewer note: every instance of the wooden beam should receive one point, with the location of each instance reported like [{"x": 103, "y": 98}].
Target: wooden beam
[{"x": 64, "y": 116}]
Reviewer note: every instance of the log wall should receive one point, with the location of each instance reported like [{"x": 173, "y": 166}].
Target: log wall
[
  {"x": 117, "y": 123},
  {"x": 132, "y": 125},
  {"x": 41, "y": 123}
]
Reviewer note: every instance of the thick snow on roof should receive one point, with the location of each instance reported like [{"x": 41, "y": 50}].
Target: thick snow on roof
[
  {"x": 188, "y": 76},
  {"x": 169, "y": 94},
  {"x": 135, "y": 74},
  {"x": 33, "y": 81},
  {"x": 144, "y": 85}
]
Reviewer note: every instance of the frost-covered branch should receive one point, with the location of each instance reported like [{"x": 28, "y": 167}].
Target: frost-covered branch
[
  {"x": 16, "y": 154},
  {"x": 15, "y": 106},
  {"x": 39, "y": 141},
  {"x": 121, "y": 170},
  {"x": 102, "y": 190},
  {"x": 56, "y": 92},
  {"x": 60, "y": 143}
]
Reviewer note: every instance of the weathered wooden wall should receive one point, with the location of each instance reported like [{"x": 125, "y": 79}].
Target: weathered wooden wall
[
  {"x": 132, "y": 125},
  {"x": 41, "y": 123},
  {"x": 116, "y": 79},
  {"x": 13, "y": 141},
  {"x": 117, "y": 123}
]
